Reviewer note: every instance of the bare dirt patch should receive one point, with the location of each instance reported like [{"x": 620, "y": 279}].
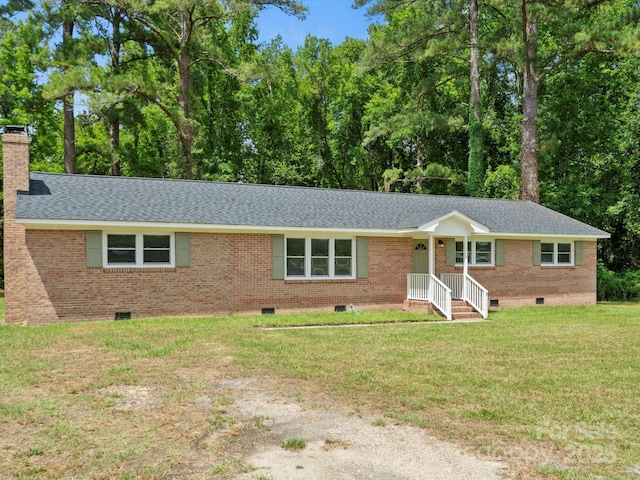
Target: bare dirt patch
[
  {"x": 339, "y": 444},
  {"x": 129, "y": 397}
]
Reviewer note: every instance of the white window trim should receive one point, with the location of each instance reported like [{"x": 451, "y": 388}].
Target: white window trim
[
  {"x": 555, "y": 262},
  {"x": 139, "y": 251},
  {"x": 473, "y": 263},
  {"x": 307, "y": 259}
]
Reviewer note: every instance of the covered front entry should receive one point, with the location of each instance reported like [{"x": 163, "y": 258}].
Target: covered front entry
[{"x": 424, "y": 285}]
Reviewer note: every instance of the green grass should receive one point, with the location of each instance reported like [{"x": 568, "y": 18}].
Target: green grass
[
  {"x": 294, "y": 444},
  {"x": 565, "y": 380},
  {"x": 554, "y": 388},
  {"x": 343, "y": 318},
  {"x": 228, "y": 466}
]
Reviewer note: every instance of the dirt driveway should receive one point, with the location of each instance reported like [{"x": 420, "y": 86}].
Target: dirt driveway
[
  {"x": 339, "y": 444},
  {"x": 84, "y": 411}
]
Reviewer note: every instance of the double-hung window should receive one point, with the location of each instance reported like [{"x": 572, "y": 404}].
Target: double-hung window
[
  {"x": 319, "y": 258},
  {"x": 556, "y": 254},
  {"x": 479, "y": 253},
  {"x": 139, "y": 250}
]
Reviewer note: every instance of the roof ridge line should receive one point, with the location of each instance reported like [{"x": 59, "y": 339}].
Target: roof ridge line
[{"x": 291, "y": 187}]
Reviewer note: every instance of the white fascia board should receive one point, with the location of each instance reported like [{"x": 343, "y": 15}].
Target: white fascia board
[
  {"x": 47, "y": 224},
  {"x": 551, "y": 236},
  {"x": 522, "y": 236},
  {"x": 477, "y": 227}
]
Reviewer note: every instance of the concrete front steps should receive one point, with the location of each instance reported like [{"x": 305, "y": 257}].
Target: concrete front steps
[{"x": 461, "y": 310}]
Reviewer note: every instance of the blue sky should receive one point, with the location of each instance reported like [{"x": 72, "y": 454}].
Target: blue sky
[{"x": 331, "y": 19}]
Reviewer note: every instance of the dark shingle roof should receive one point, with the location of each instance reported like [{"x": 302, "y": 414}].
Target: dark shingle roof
[{"x": 119, "y": 199}]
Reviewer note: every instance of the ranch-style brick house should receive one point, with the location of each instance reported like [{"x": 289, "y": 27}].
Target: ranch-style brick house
[{"x": 81, "y": 247}]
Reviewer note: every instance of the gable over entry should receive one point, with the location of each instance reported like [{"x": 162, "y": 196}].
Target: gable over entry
[
  {"x": 453, "y": 224},
  {"x": 442, "y": 290}
]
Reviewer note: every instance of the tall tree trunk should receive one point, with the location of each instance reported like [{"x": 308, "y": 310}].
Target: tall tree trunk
[
  {"x": 531, "y": 83},
  {"x": 114, "y": 116},
  {"x": 187, "y": 133},
  {"x": 69, "y": 134},
  {"x": 474, "y": 59},
  {"x": 419, "y": 162},
  {"x": 184, "y": 87},
  {"x": 114, "y": 142},
  {"x": 475, "y": 180}
]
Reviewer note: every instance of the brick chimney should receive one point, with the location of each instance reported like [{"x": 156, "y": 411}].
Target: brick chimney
[{"x": 15, "y": 158}]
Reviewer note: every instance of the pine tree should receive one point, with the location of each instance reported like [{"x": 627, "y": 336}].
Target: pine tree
[
  {"x": 475, "y": 174},
  {"x": 540, "y": 37},
  {"x": 184, "y": 33},
  {"x": 443, "y": 38}
]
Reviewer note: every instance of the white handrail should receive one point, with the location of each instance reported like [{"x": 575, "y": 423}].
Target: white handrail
[
  {"x": 429, "y": 288},
  {"x": 440, "y": 296},
  {"x": 476, "y": 295},
  {"x": 467, "y": 288}
]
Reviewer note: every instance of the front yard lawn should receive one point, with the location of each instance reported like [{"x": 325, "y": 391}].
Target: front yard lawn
[
  {"x": 556, "y": 388},
  {"x": 552, "y": 391}
]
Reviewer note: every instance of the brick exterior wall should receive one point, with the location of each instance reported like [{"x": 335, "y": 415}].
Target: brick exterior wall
[
  {"x": 229, "y": 273},
  {"x": 519, "y": 283}
]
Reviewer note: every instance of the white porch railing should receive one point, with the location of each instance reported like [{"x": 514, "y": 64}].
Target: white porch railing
[
  {"x": 441, "y": 296},
  {"x": 455, "y": 281},
  {"x": 465, "y": 287},
  {"x": 418, "y": 286},
  {"x": 425, "y": 287}
]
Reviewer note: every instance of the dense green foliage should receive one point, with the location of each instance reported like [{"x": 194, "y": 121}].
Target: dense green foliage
[
  {"x": 618, "y": 286},
  {"x": 182, "y": 89}
]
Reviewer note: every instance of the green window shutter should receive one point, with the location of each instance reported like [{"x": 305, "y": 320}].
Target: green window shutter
[
  {"x": 500, "y": 253},
  {"x": 277, "y": 257},
  {"x": 579, "y": 246},
  {"x": 537, "y": 252},
  {"x": 183, "y": 249},
  {"x": 362, "y": 254},
  {"x": 94, "y": 248},
  {"x": 451, "y": 252}
]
